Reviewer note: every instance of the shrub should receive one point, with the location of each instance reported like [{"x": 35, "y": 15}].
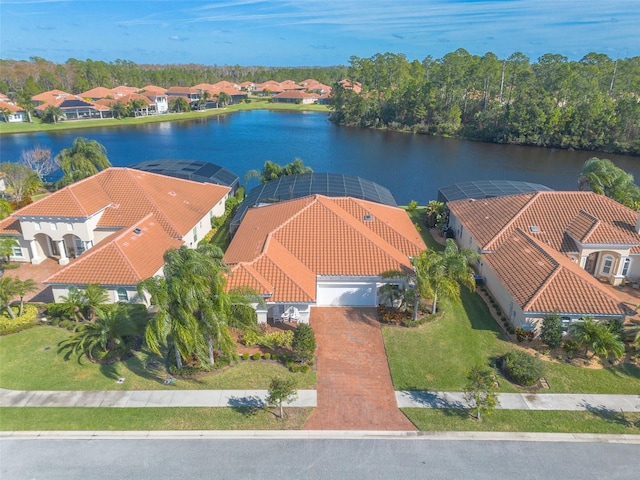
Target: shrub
[
  {"x": 521, "y": 334},
  {"x": 304, "y": 343},
  {"x": 26, "y": 320},
  {"x": 256, "y": 356},
  {"x": 245, "y": 356},
  {"x": 251, "y": 338},
  {"x": 66, "y": 324},
  {"x": 412, "y": 205},
  {"x": 274, "y": 356},
  {"x": 57, "y": 310},
  {"x": 522, "y": 368},
  {"x": 551, "y": 332},
  {"x": 570, "y": 347},
  {"x": 280, "y": 339},
  {"x": 267, "y": 356}
]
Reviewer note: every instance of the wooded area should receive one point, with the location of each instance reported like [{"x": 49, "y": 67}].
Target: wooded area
[{"x": 590, "y": 104}]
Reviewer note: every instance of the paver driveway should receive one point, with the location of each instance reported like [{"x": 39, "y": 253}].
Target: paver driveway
[{"x": 354, "y": 384}]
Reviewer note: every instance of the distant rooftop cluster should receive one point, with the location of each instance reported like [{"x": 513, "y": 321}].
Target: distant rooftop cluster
[{"x": 102, "y": 102}]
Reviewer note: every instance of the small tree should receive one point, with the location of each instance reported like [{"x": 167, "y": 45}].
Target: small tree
[
  {"x": 22, "y": 288},
  {"x": 552, "y": 330},
  {"x": 39, "y": 160},
  {"x": 6, "y": 247},
  {"x": 480, "y": 390},
  {"x": 281, "y": 390},
  {"x": 304, "y": 343}
]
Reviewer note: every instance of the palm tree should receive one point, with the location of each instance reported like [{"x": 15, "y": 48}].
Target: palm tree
[
  {"x": 6, "y": 247},
  {"x": 52, "y": 114},
  {"x": 73, "y": 304},
  {"x": 8, "y": 291},
  {"x": 439, "y": 274},
  {"x": 194, "y": 310},
  {"x": 604, "y": 178},
  {"x": 22, "y": 288},
  {"x": 83, "y": 159},
  {"x": 223, "y": 99},
  {"x": 598, "y": 337},
  {"x": 93, "y": 297},
  {"x": 109, "y": 333},
  {"x": 272, "y": 170}
]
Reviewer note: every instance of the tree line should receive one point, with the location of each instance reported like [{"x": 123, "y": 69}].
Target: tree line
[
  {"x": 590, "y": 104},
  {"x": 75, "y": 76}
]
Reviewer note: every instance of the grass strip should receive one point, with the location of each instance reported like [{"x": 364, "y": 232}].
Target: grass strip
[
  {"x": 241, "y": 418},
  {"x": 526, "y": 421}
]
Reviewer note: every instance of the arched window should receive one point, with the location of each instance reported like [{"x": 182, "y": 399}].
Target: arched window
[
  {"x": 607, "y": 264},
  {"x": 122, "y": 294}
]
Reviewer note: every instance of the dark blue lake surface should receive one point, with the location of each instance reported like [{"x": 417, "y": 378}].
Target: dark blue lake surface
[{"x": 411, "y": 166}]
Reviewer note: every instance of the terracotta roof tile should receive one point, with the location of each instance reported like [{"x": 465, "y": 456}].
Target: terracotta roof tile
[
  {"x": 543, "y": 281},
  {"x": 491, "y": 220},
  {"x": 129, "y": 195},
  {"x": 291, "y": 243},
  {"x": 124, "y": 258}
]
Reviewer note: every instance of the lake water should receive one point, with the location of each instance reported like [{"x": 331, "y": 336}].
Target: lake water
[{"x": 413, "y": 167}]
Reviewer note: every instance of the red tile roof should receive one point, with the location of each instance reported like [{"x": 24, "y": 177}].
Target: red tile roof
[
  {"x": 127, "y": 195},
  {"x": 10, "y": 107},
  {"x": 124, "y": 258},
  {"x": 542, "y": 281},
  {"x": 586, "y": 216},
  {"x": 290, "y": 243}
]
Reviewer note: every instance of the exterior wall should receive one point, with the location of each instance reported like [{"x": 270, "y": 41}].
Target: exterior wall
[
  {"x": 58, "y": 227},
  {"x": 14, "y": 117},
  {"x": 463, "y": 238},
  {"x": 508, "y": 305},
  {"x": 634, "y": 268}
]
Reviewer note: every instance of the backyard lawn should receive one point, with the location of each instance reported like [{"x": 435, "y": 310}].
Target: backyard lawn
[{"x": 29, "y": 360}]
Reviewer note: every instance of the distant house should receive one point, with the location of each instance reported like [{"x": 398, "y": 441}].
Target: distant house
[
  {"x": 113, "y": 228},
  {"x": 49, "y": 97},
  {"x": 296, "y": 96},
  {"x": 189, "y": 93},
  {"x": 12, "y": 113},
  {"x": 74, "y": 107},
  {"x": 545, "y": 252},
  {"x": 97, "y": 93}
]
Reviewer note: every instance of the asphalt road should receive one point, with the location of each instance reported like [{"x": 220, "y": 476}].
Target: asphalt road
[{"x": 326, "y": 458}]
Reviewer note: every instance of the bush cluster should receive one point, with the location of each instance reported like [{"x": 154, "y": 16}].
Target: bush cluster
[
  {"x": 26, "y": 320},
  {"x": 522, "y": 368}
]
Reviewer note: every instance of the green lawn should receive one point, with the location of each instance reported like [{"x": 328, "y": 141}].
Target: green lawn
[
  {"x": 29, "y": 361},
  {"x": 437, "y": 356},
  {"x": 13, "y": 419},
  {"x": 261, "y": 104},
  {"x": 526, "y": 421}
]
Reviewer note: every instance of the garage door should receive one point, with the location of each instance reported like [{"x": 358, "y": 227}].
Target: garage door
[{"x": 347, "y": 294}]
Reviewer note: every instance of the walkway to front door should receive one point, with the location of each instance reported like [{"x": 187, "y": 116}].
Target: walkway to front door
[{"x": 354, "y": 384}]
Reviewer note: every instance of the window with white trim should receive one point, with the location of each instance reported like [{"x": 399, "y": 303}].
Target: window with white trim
[
  {"x": 16, "y": 251},
  {"x": 607, "y": 264},
  {"x": 123, "y": 296},
  {"x": 625, "y": 266}
]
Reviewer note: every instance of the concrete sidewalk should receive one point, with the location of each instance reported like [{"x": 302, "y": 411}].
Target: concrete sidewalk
[
  {"x": 524, "y": 401},
  {"x": 306, "y": 398},
  {"x": 147, "y": 398}
]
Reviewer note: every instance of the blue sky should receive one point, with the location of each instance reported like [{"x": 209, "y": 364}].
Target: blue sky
[{"x": 312, "y": 32}]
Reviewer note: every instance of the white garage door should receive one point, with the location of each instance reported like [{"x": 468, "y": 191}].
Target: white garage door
[{"x": 347, "y": 294}]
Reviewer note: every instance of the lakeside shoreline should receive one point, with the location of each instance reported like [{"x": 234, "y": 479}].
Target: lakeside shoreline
[{"x": 39, "y": 126}]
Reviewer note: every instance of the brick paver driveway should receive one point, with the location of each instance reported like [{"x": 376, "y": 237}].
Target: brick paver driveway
[{"x": 354, "y": 384}]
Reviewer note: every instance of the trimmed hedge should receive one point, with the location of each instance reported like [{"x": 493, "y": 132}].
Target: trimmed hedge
[
  {"x": 522, "y": 368},
  {"x": 13, "y": 325}
]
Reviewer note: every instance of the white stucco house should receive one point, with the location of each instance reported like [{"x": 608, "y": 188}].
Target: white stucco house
[
  {"x": 547, "y": 251},
  {"x": 113, "y": 228},
  {"x": 317, "y": 251}
]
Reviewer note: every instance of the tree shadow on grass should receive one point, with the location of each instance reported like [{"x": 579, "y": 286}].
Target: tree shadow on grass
[
  {"x": 450, "y": 408},
  {"x": 479, "y": 314},
  {"x": 611, "y": 416},
  {"x": 248, "y": 406}
]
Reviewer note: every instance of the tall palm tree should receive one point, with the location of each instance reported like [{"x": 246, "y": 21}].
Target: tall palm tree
[
  {"x": 52, "y": 114},
  {"x": 22, "y": 288},
  {"x": 83, "y": 159},
  {"x": 439, "y": 274},
  {"x": 194, "y": 310}
]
